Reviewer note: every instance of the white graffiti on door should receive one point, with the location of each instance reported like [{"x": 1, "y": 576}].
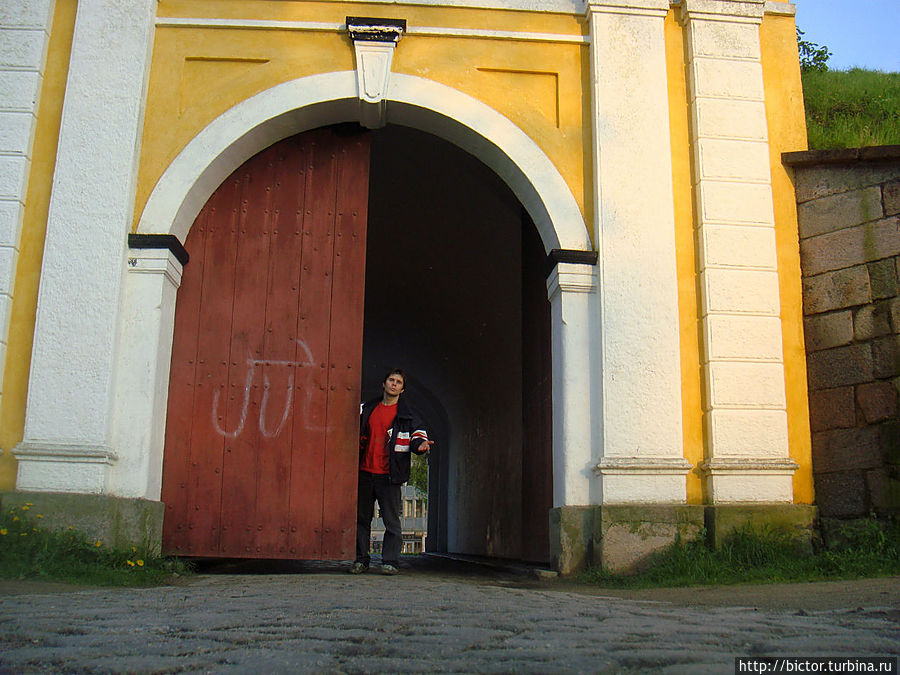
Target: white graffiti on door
[{"x": 252, "y": 365}]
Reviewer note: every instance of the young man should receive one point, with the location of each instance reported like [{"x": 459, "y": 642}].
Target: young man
[{"x": 388, "y": 432}]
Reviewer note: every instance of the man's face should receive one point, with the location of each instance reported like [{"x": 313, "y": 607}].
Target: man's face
[{"x": 393, "y": 385}]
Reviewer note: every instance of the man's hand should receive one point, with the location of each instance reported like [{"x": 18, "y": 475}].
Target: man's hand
[{"x": 425, "y": 446}]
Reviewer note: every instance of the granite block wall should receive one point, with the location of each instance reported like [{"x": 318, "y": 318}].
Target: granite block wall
[{"x": 848, "y": 203}]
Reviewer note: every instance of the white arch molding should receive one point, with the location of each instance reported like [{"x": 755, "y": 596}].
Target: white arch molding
[{"x": 309, "y": 102}]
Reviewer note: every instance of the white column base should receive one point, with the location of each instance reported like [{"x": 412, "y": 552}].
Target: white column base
[
  {"x": 748, "y": 480},
  {"x": 643, "y": 480},
  {"x": 52, "y": 467}
]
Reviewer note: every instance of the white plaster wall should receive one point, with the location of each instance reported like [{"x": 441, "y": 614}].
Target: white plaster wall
[
  {"x": 70, "y": 396},
  {"x": 24, "y": 34}
]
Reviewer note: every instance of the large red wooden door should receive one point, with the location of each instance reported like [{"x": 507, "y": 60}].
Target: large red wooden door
[{"x": 262, "y": 429}]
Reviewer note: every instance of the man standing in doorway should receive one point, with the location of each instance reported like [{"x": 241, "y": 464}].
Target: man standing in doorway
[{"x": 388, "y": 432}]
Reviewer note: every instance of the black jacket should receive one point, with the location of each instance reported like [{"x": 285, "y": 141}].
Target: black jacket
[{"x": 406, "y": 434}]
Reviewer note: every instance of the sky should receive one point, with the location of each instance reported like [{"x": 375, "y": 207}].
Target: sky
[{"x": 859, "y": 33}]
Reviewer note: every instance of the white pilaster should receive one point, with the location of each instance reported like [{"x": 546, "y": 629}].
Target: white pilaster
[
  {"x": 70, "y": 397},
  {"x": 642, "y": 458},
  {"x": 142, "y": 371},
  {"x": 744, "y": 404},
  {"x": 24, "y": 35},
  {"x": 571, "y": 289}
]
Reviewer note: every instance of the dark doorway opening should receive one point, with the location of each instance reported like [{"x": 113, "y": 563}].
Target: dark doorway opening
[{"x": 456, "y": 295}]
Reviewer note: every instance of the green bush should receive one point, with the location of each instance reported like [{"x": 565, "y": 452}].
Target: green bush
[{"x": 29, "y": 551}]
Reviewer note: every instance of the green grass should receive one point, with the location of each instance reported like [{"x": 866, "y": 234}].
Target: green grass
[
  {"x": 867, "y": 549},
  {"x": 28, "y": 551},
  {"x": 852, "y": 108}
]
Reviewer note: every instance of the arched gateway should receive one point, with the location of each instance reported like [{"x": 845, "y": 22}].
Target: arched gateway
[
  {"x": 640, "y": 137},
  {"x": 233, "y": 487}
]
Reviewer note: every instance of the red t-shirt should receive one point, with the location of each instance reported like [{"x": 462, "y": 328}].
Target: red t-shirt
[{"x": 376, "y": 457}]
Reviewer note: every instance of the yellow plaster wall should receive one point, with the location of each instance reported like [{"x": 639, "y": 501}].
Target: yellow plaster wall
[
  {"x": 31, "y": 246},
  {"x": 787, "y": 132},
  {"x": 199, "y": 73},
  {"x": 685, "y": 254}
]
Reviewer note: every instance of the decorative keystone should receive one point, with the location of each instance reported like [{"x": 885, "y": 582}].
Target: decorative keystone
[{"x": 374, "y": 41}]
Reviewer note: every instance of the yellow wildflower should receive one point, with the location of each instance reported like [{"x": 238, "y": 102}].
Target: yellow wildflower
[
  {"x": 130, "y": 564},
  {"x": 3, "y": 531},
  {"x": 28, "y": 504},
  {"x": 133, "y": 549},
  {"x": 23, "y": 534},
  {"x": 15, "y": 518},
  {"x": 38, "y": 515},
  {"x": 140, "y": 563},
  {"x": 98, "y": 544},
  {"x": 26, "y": 507},
  {"x": 70, "y": 527}
]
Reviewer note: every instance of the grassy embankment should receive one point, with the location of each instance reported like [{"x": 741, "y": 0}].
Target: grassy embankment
[{"x": 852, "y": 108}]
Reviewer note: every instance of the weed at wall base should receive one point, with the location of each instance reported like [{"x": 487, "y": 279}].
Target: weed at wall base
[
  {"x": 29, "y": 551},
  {"x": 765, "y": 556}
]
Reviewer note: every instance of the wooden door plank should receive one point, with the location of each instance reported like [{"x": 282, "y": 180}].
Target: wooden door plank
[
  {"x": 247, "y": 383},
  {"x": 208, "y": 446},
  {"x": 281, "y": 354},
  {"x": 314, "y": 317},
  {"x": 345, "y": 346},
  {"x": 183, "y": 371}
]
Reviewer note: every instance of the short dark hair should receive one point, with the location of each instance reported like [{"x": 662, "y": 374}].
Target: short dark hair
[{"x": 396, "y": 371}]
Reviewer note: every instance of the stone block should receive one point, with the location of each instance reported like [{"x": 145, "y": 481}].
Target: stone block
[
  {"x": 890, "y": 442},
  {"x": 842, "y": 494},
  {"x": 723, "y": 520},
  {"x": 894, "y": 309},
  {"x": 19, "y": 89},
  {"x": 836, "y": 290},
  {"x": 34, "y": 13},
  {"x": 872, "y": 321},
  {"x": 819, "y": 180},
  {"x": 839, "y": 211},
  {"x": 21, "y": 48},
  {"x": 841, "y": 366},
  {"x": 884, "y": 492},
  {"x": 571, "y": 530},
  {"x": 877, "y": 401},
  {"x": 846, "y": 449},
  {"x": 886, "y": 356},
  {"x": 832, "y": 409},
  {"x": 737, "y": 384},
  {"x": 13, "y": 174},
  {"x": 883, "y": 278},
  {"x": 15, "y": 132},
  {"x": 744, "y": 291},
  {"x": 850, "y": 246},
  {"x": 892, "y": 198},
  {"x": 118, "y": 522},
  {"x": 824, "y": 331},
  {"x": 729, "y": 202},
  {"x": 627, "y": 536}
]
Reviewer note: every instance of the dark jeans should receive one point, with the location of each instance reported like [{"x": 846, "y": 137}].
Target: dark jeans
[{"x": 374, "y": 487}]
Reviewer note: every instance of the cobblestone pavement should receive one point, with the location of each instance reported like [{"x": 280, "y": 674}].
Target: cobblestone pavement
[{"x": 433, "y": 617}]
